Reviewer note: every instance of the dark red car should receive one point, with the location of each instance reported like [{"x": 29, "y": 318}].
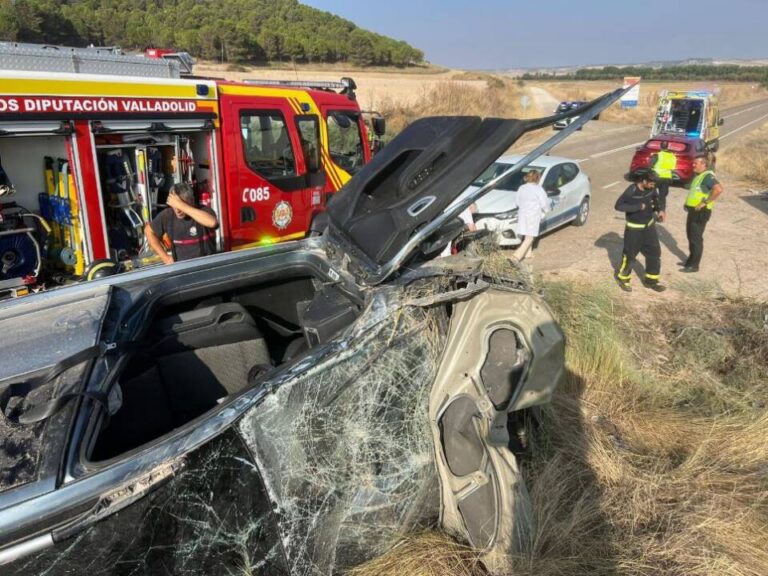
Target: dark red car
[{"x": 686, "y": 149}]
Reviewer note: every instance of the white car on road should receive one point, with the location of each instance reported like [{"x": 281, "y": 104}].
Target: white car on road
[{"x": 567, "y": 186}]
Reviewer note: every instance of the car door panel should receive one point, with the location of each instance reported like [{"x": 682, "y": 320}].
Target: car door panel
[
  {"x": 555, "y": 200},
  {"x": 569, "y": 176}
]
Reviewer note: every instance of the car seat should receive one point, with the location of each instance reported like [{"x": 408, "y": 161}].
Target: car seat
[{"x": 196, "y": 358}]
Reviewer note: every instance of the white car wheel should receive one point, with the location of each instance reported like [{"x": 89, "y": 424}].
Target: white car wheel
[{"x": 583, "y": 215}]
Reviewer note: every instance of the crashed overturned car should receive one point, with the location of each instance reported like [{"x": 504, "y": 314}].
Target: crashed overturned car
[{"x": 286, "y": 410}]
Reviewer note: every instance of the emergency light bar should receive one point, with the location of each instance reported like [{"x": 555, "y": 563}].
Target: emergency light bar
[
  {"x": 689, "y": 94},
  {"x": 346, "y": 84}
]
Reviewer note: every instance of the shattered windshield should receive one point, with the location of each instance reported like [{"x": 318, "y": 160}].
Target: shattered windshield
[
  {"x": 347, "y": 447},
  {"x": 511, "y": 183}
]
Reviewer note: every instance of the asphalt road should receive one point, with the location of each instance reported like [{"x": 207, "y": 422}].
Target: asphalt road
[{"x": 604, "y": 151}]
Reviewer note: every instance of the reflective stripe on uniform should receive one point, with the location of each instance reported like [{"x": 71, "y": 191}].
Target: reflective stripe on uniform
[
  {"x": 635, "y": 225},
  {"x": 652, "y": 276},
  {"x": 626, "y": 277}
]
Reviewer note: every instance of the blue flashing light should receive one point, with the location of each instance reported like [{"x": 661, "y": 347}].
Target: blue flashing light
[
  {"x": 202, "y": 89},
  {"x": 694, "y": 134},
  {"x": 305, "y": 107}
]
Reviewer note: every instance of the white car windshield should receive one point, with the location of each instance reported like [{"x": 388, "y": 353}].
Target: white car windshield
[{"x": 511, "y": 183}]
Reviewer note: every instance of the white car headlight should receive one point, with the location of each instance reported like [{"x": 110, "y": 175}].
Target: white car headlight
[{"x": 511, "y": 215}]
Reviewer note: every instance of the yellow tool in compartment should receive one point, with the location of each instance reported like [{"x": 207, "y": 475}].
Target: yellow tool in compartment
[
  {"x": 77, "y": 237},
  {"x": 143, "y": 196},
  {"x": 52, "y": 186},
  {"x": 67, "y": 253}
]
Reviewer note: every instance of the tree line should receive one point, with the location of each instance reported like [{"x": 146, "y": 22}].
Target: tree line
[
  {"x": 719, "y": 72},
  {"x": 241, "y": 31}
]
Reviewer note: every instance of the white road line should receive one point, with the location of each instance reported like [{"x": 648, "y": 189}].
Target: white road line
[
  {"x": 614, "y": 150},
  {"x": 609, "y": 152},
  {"x": 732, "y": 132},
  {"x": 620, "y": 148},
  {"x": 611, "y": 185},
  {"x": 745, "y": 110}
]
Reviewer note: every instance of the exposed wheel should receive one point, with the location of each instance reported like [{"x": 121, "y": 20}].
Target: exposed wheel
[
  {"x": 583, "y": 215},
  {"x": 100, "y": 269},
  {"x": 714, "y": 146}
]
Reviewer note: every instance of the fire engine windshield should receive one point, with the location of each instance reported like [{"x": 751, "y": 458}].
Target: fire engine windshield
[{"x": 345, "y": 140}]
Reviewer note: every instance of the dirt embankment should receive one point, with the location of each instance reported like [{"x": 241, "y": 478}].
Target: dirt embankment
[{"x": 375, "y": 86}]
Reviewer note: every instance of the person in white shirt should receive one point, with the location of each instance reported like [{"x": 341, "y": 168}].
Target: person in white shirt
[{"x": 532, "y": 204}]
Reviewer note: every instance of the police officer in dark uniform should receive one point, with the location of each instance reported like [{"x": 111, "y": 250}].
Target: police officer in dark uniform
[{"x": 643, "y": 206}]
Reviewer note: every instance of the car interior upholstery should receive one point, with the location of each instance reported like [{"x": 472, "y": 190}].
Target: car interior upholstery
[{"x": 200, "y": 352}]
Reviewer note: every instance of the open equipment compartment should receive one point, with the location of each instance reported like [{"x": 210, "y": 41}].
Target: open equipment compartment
[
  {"x": 39, "y": 211},
  {"x": 138, "y": 162}
]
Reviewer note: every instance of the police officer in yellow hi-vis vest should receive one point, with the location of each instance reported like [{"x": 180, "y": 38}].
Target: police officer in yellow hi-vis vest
[
  {"x": 664, "y": 164},
  {"x": 703, "y": 192},
  {"x": 643, "y": 206}
]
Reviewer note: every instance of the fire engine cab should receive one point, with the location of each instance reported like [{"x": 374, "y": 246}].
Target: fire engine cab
[{"x": 94, "y": 151}]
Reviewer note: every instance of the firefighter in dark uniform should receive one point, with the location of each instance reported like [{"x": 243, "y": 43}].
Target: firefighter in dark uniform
[
  {"x": 643, "y": 206},
  {"x": 189, "y": 229}
]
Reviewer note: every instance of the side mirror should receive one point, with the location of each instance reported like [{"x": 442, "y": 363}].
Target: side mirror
[
  {"x": 379, "y": 125},
  {"x": 554, "y": 191},
  {"x": 342, "y": 120},
  {"x": 315, "y": 179},
  {"x": 721, "y": 121}
]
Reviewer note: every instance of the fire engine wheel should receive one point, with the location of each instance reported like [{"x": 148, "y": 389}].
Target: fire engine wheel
[{"x": 583, "y": 215}]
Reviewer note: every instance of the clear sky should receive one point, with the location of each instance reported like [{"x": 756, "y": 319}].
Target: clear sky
[{"x": 495, "y": 34}]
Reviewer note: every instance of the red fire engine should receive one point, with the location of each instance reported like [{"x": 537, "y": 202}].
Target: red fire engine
[{"x": 95, "y": 156}]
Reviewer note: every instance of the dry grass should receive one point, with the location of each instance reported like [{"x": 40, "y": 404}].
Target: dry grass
[
  {"x": 425, "y": 554},
  {"x": 653, "y": 458},
  {"x": 730, "y": 95},
  {"x": 489, "y": 97},
  {"x": 748, "y": 159},
  {"x": 401, "y": 95},
  {"x": 375, "y": 85}
]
